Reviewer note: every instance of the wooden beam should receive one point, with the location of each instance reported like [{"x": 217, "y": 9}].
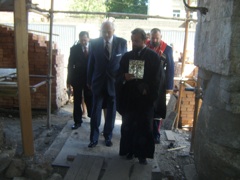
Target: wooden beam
[
  {"x": 21, "y": 50},
  {"x": 177, "y": 148},
  {"x": 181, "y": 89}
]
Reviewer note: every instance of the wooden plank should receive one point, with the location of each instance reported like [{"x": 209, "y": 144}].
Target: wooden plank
[
  {"x": 117, "y": 169},
  {"x": 21, "y": 49},
  {"x": 171, "y": 105},
  {"x": 141, "y": 172},
  {"x": 169, "y": 121},
  {"x": 78, "y": 140},
  {"x": 95, "y": 169},
  {"x": 85, "y": 167},
  {"x": 91, "y": 167},
  {"x": 169, "y": 135},
  {"x": 177, "y": 148},
  {"x": 156, "y": 172}
]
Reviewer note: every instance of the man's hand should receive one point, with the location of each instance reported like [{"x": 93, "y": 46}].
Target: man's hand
[{"x": 129, "y": 77}]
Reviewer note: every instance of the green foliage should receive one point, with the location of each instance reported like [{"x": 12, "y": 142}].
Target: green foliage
[
  {"x": 88, "y": 5},
  {"x": 119, "y": 6},
  {"x": 127, "y": 6}
]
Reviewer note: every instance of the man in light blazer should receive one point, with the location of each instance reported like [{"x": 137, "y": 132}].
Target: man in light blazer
[{"x": 104, "y": 59}]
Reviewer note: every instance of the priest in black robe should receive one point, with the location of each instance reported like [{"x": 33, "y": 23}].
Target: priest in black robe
[{"x": 137, "y": 86}]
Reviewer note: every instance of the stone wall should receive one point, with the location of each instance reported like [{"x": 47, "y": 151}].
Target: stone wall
[
  {"x": 216, "y": 148},
  {"x": 38, "y": 65},
  {"x": 1, "y": 134},
  {"x": 217, "y": 50}
]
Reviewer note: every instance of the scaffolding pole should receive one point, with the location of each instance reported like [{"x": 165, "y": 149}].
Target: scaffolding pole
[
  {"x": 50, "y": 68},
  {"x": 181, "y": 84},
  {"x": 114, "y": 14}
]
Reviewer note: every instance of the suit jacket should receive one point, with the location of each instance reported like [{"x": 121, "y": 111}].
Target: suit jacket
[
  {"x": 101, "y": 71},
  {"x": 167, "y": 58},
  {"x": 77, "y": 66}
]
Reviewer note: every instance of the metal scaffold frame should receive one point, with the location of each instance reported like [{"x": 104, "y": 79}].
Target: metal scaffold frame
[{"x": 20, "y": 24}]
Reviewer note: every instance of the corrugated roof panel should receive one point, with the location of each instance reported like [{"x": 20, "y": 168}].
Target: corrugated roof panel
[{"x": 177, "y": 39}]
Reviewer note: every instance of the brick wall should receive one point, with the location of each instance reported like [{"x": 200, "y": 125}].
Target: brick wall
[
  {"x": 187, "y": 108},
  {"x": 188, "y": 97},
  {"x": 38, "y": 65}
]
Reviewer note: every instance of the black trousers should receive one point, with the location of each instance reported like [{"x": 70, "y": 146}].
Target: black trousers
[
  {"x": 88, "y": 100},
  {"x": 77, "y": 102}
]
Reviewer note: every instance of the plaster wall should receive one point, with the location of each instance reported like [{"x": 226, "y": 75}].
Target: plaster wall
[{"x": 217, "y": 54}]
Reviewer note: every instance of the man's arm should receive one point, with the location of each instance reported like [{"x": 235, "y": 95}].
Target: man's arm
[
  {"x": 90, "y": 68},
  {"x": 125, "y": 46},
  {"x": 169, "y": 70},
  {"x": 70, "y": 66}
]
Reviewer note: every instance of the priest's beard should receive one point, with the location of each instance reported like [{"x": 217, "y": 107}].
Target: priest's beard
[
  {"x": 155, "y": 44},
  {"x": 136, "y": 49}
]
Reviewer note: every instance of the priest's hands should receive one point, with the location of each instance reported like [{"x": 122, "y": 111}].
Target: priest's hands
[{"x": 129, "y": 77}]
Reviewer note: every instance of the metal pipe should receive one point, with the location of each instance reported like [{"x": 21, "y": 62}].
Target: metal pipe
[
  {"x": 188, "y": 85},
  {"x": 30, "y": 30},
  {"x": 38, "y": 12},
  {"x": 14, "y": 85},
  {"x": 50, "y": 68},
  {"x": 34, "y": 87},
  {"x": 41, "y": 32},
  {"x": 183, "y": 79},
  {"x": 40, "y": 76},
  {"x": 119, "y": 14},
  {"x": 202, "y": 10},
  {"x": 8, "y": 84}
]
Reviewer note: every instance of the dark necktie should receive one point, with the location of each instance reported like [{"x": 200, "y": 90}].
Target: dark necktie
[
  {"x": 85, "y": 51},
  {"x": 106, "y": 50}
]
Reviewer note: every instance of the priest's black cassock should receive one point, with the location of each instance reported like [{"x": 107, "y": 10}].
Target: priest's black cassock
[{"x": 135, "y": 102}]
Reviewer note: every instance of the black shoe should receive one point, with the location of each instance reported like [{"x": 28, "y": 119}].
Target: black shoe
[
  {"x": 108, "y": 143},
  {"x": 76, "y": 125},
  {"x": 129, "y": 156},
  {"x": 142, "y": 161},
  {"x": 157, "y": 140},
  {"x": 92, "y": 144},
  {"x": 171, "y": 145}
]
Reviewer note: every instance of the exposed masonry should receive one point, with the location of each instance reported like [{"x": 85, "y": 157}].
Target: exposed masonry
[
  {"x": 217, "y": 55},
  {"x": 38, "y": 65},
  {"x": 188, "y": 97}
]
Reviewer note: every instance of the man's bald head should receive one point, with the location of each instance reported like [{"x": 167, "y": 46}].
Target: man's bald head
[{"x": 107, "y": 30}]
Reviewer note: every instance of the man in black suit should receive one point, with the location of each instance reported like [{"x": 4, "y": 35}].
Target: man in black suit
[
  {"x": 103, "y": 65},
  {"x": 77, "y": 77}
]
